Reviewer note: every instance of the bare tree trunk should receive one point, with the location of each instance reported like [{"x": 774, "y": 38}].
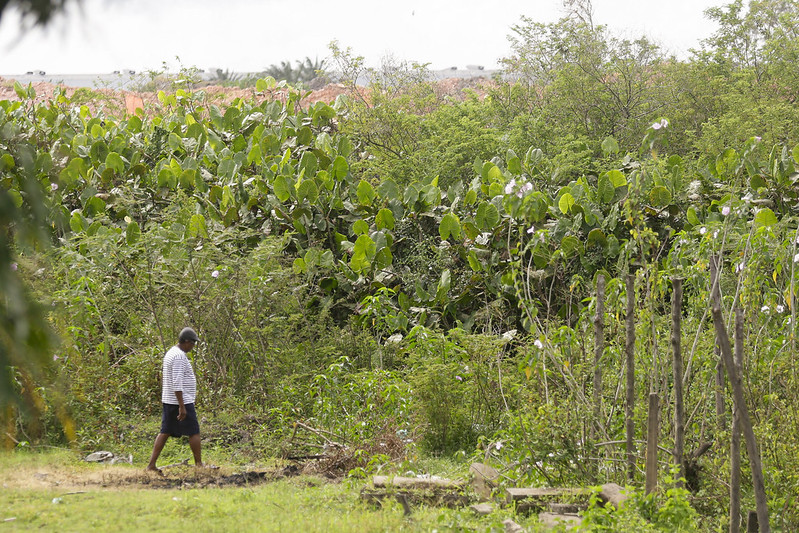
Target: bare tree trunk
[
  {"x": 741, "y": 408},
  {"x": 721, "y": 409},
  {"x": 676, "y": 350},
  {"x": 652, "y": 443},
  {"x": 599, "y": 347},
  {"x": 629, "y": 349},
  {"x": 735, "y": 441}
]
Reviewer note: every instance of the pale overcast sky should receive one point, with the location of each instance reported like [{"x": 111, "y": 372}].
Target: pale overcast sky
[{"x": 105, "y": 35}]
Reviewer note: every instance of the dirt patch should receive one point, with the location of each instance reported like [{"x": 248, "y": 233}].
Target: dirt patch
[{"x": 77, "y": 479}]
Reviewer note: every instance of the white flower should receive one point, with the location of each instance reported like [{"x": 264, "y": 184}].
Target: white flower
[
  {"x": 715, "y": 234},
  {"x": 796, "y": 258},
  {"x": 702, "y": 230},
  {"x": 764, "y": 309},
  {"x": 215, "y": 274},
  {"x": 538, "y": 344},
  {"x": 758, "y": 138},
  {"x": 394, "y": 339},
  {"x": 662, "y": 124},
  {"x": 725, "y": 210},
  {"x": 509, "y": 187},
  {"x": 739, "y": 267},
  {"x": 498, "y": 445},
  {"x": 780, "y": 308},
  {"x": 14, "y": 266},
  {"x": 527, "y": 187},
  {"x": 54, "y": 186},
  {"x": 531, "y": 230}
]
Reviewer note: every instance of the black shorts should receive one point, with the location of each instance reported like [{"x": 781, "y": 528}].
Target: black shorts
[{"x": 177, "y": 428}]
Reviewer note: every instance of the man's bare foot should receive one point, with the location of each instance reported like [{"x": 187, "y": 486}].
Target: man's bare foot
[{"x": 154, "y": 470}]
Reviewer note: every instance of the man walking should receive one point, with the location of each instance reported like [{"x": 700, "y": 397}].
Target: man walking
[{"x": 178, "y": 390}]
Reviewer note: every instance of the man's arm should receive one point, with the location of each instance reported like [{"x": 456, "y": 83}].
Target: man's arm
[
  {"x": 181, "y": 408},
  {"x": 177, "y": 380}
]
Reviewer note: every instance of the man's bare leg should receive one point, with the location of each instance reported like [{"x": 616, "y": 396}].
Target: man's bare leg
[
  {"x": 196, "y": 448},
  {"x": 160, "y": 441}
]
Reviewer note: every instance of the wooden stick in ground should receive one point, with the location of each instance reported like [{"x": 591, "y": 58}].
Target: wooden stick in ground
[
  {"x": 599, "y": 347},
  {"x": 676, "y": 350},
  {"x": 652, "y": 443},
  {"x": 721, "y": 408},
  {"x": 629, "y": 349},
  {"x": 184, "y": 462},
  {"x": 735, "y": 440},
  {"x": 740, "y": 406}
]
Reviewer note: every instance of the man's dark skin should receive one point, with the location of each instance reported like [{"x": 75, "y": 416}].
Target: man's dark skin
[{"x": 194, "y": 440}]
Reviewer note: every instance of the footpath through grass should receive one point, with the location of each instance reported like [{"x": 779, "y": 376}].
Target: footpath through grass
[{"x": 56, "y": 491}]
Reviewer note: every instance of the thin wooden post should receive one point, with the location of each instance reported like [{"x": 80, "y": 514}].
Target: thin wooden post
[
  {"x": 735, "y": 440},
  {"x": 721, "y": 408},
  {"x": 599, "y": 346},
  {"x": 751, "y": 522},
  {"x": 740, "y": 406},
  {"x": 676, "y": 350},
  {"x": 629, "y": 348},
  {"x": 653, "y": 430}
]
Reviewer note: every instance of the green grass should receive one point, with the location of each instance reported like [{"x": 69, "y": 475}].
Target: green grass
[{"x": 80, "y": 503}]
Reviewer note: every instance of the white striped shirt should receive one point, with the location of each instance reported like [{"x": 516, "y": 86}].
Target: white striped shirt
[{"x": 178, "y": 376}]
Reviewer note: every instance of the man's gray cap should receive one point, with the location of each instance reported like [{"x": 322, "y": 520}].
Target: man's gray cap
[{"x": 188, "y": 334}]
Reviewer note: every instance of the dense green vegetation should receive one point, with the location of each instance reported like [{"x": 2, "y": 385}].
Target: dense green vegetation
[{"x": 402, "y": 266}]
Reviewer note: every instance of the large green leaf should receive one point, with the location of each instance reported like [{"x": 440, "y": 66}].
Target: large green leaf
[
  {"x": 340, "y": 168},
  {"x": 596, "y": 237},
  {"x": 450, "y": 225},
  {"x": 384, "y": 219},
  {"x": 693, "y": 219},
  {"x": 566, "y": 203},
  {"x": 132, "y": 232},
  {"x": 383, "y": 258},
  {"x": 389, "y": 190},
  {"x": 282, "y": 188},
  {"x": 362, "y": 253},
  {"x": 366, "y": 193},
  {"x": 513, "y": 163},
  {"x": 660, "y": 196},
  {"x": 430, "y": 195},
  {"x": 765, "y": 218},
  {"x": 605, "y": 189},
  {"x": 610, "y": 146},
  {"x": 495, "y": 174},
  {"x": 94, "y": 206},
  {"x": 571, "y": 246},
  {"x": 308, "y": 190},
  {"x": 617, "y": 178},
  {"x": 487, "y": 216},
  {"x": 444, "y": 285},
  {"x": 114, "y": 161},
  {"x": 360, "y": 227},
  {"x": 197, "y": 227}
]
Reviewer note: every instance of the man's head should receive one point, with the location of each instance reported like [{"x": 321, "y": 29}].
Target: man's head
[{"x": 187, "y": 339}]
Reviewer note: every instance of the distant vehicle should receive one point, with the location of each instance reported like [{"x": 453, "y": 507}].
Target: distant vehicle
[
  {"x": 35, "y": 73},
  {"x": 475, "y": 67}
]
